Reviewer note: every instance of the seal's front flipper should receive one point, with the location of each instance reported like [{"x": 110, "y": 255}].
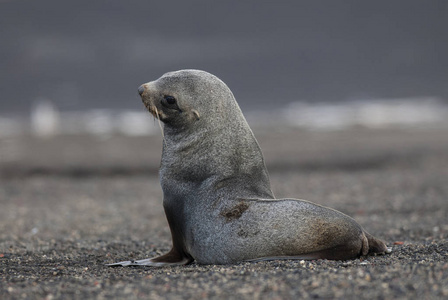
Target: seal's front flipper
[
  {"x": 172, "y": 258},
  {"x": 150, "y": 262},
  {"x": 143, "y": 262}
]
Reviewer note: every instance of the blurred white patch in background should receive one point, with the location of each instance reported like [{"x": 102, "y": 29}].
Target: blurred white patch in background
[
  {"x": 374, "y": 114},
  {"x": 379, "y": 113},
  {"x": 98, "y": 122},
  {"x": 44, "y": 118},
  {"x": 47, "y": 121},
  {"x": 104, "y": 123},
  {"x": 135, "y": 123},
  {"x": 401, "y": 112}
]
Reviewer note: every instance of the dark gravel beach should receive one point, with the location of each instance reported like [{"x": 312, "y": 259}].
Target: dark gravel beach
[{"x": 71, "y": 204}]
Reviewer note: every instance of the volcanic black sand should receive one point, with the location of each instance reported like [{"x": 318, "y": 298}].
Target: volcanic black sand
[{"x": 71, "y": 204}]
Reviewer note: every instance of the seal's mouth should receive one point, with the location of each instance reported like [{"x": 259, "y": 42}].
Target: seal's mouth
[
  {"x": 149, "y": 107},
  {"x": 153, "y": 110}
]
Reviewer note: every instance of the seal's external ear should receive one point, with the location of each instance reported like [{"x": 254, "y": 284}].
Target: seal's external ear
[{"x": 195, "y": 113}]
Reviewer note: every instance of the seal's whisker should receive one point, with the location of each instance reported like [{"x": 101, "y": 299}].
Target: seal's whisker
[{"x": 160, "y": 124}]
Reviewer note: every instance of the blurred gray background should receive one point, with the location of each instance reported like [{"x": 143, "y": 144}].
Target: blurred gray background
[
  {"x": 79, "y": 154},
  {"x": 94, "y": 54}
]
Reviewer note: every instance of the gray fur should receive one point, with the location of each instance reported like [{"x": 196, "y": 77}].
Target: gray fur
[{"x": 217, "y": 195}]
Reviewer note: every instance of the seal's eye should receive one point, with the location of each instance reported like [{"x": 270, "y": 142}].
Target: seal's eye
[{"x": 170, "y": 100}]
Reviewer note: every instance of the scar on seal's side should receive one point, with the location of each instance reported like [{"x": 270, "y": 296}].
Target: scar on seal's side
[
  {"x": 216, "y": 191},
  {"x": 235, "y": 212}
]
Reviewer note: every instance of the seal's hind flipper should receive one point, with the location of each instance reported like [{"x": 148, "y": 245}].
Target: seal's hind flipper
[{"x": 376, "y": 246}]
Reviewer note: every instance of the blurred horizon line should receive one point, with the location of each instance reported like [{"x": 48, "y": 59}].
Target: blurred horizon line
[{"x": 45, "y": 120}]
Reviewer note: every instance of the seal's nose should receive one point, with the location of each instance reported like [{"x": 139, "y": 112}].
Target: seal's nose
[{"x": 141, "y": 89}]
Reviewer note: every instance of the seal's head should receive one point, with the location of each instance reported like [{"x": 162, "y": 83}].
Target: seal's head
[
  {"x": 207, "y": 140},
  {"x": 181, "y": 98}
]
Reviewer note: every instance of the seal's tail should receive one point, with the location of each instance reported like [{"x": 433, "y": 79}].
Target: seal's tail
[{"x": 375, "y": 246}]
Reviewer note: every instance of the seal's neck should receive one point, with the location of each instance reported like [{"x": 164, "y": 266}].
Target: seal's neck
[{"x": 211, "y": 158}]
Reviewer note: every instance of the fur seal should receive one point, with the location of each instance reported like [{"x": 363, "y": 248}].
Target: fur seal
[{"x": 216, "y": 191}]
